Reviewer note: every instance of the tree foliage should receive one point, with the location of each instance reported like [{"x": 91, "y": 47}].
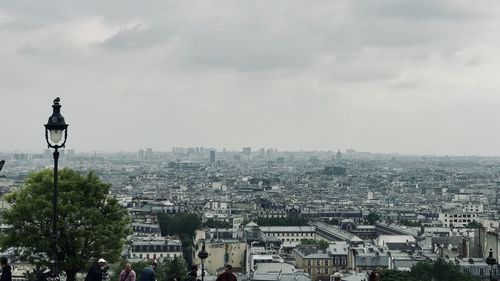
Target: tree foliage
[
  {"x": 474, "y": 224},
  {"x": 178, "y": 224},
  {"x": 91, "y": 224},
  {"x": 372, "y": 218},
  {"x": 211, "y": 223},
  {"x": 426, "y": 271},
  {"x": 168, "y": 269},
  {"x": 332, "y": 221},
  {"x": 322, "y": 244},
  {"x": 410, "y": 223},
  {"x": 173, "y": 268},
  {"x": 182, "y": 225}
]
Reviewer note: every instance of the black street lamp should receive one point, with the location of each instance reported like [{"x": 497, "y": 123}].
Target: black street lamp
[
  {"x": 203, "y": 255},
  {"x": 491, "y": 261},
  {"x": 56, "y": 133}
]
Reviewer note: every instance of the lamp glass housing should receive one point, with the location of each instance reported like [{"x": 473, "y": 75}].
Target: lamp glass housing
[{"x": 56, "y": 136}]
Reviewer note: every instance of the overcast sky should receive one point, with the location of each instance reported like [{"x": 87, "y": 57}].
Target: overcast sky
[{"x": 413, "y": 77}]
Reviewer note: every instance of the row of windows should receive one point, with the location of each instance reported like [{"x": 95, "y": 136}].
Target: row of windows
[
  {"x": 293, "y": 239},
  {"x": 307, "y": 234},
  {"x": 459, "y": 220},
  {"x": 156, "y": 248},
  {"x": 147, "y": 256},
  {"x": 318, "y": 271},
  {"x": 335, "y": 261},
  {"x": 461, "y": 216}
]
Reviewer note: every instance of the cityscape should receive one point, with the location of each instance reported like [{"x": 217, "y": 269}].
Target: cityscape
[
  {"x": 375, "y": 211},
  {"x": 254, "y": 140}
]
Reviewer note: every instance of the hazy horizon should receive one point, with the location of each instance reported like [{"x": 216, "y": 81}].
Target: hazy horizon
[
  {"x": 255, "y": 150},
  {"x": 414, "y": 78}
]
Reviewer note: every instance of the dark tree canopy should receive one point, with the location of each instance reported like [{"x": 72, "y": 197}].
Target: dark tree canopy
[
  {"x": 211, "y": 223},
  {"x": 91, "y": 224},
  {"x": 372, "y": 218},
  {"x": 179, "y": 224},
  {"x": 168, "y": 269},
  {"x": 474, "y": 224},
  {"x": 427, "y": 271},
  {"x": 322, "y": 244},
  {"x": 182, "y": 225}
]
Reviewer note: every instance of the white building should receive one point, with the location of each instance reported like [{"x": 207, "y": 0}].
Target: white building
[
  {"x": 457, "y": 219},
  {"x": 290, "y": 233},
  {"x": 154, "y": 248}
]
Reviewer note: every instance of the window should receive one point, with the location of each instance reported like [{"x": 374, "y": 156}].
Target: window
[
  {"x": 309, "y": 263},
  {"x": 481, "y": 272},
  {"x": 318, "y": 262},
  {"x": 326, "y": 262}
]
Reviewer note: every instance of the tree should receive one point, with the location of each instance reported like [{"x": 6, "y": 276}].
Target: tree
[
  {"x": 178, "y": 224},
  {"x": 410, "y": 223},
  {"x": 183, "y": 225},
  {"x": 394, "y": 275},
  {"x": 441, "y": 270},
  {"x": 474, "y": 224},
  {"x": 91, "y": 224},
  {"x": 372, "y": 218},
  {"x": 428, "y": 271},
  {"x": 168, "y": 269},
  {"x": 211, "y": 223},
  {"x": 173, "y": 268},
  {"x": 321, "y": 244}
]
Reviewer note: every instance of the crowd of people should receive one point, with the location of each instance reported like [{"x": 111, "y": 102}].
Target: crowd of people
[{"x": 99, "y": 272}]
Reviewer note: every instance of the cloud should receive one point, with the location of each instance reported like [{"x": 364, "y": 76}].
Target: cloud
[{"x": 415, "y": 77}]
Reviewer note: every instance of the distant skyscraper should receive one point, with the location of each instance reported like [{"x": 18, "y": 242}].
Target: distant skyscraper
[
  {"x": 141, "y": 153},
  {"x": 247, "y": 150},
  {"x": 149, "y": 153},
  {"x": 212, "y": 156}
]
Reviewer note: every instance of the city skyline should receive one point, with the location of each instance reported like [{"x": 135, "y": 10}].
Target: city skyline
[{"x": 385, "y": 77}]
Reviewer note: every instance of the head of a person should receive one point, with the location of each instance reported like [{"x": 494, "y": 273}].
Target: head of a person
[
  {"x": 128, "y": 267},
  {"x": 3, "y": 261},
  {"x": 337, "y": 276},
  {"x": 154, "y": 265},
  {"x": 194, "y": 268},
  {"x": 228, "y": 267},
  {"x": 374, "y": 276},
  {"x": 101, "y": 262}
]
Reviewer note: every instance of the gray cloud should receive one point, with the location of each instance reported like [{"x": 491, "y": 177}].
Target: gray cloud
[{"x": 412, "y": 77}]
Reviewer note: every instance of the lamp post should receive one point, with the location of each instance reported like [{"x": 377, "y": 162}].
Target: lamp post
[
  {"x": 491, "y": 261},
  {"x": 56, "y": 133},
  {"x": 203, "y": 255}
]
